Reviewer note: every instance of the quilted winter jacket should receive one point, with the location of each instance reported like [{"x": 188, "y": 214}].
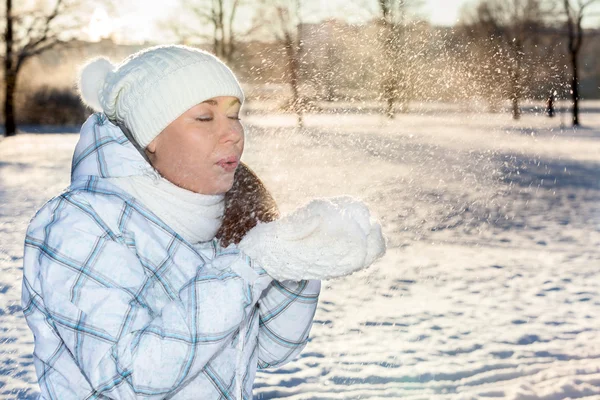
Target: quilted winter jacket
[{"x": 122, "y": 307}]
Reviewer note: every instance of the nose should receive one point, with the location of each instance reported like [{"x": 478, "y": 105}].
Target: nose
[{"x": 231, "y": 131}]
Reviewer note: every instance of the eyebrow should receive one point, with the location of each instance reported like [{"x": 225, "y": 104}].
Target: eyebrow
[{"x": 214, "y": 103}]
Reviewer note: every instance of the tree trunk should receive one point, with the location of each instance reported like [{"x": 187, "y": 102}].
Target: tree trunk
[
  {"x": 516, "y": 81},
  {"x": 222, "y": 51},
  {"x": 389, "y": 110},
  {"x": 390, "y": 89},
  {"x": 516, "y": 111},
  {"x": 329, "y": 74},
  {"x": 575, "y": 89},
  {"x": 515, "y": 95},
  {"x": 550, "y": 104},
  {"x": 10, "y": 81},
  {"x": 216, "y": 40},
  {"x": 294, "y": 66},
  {"x": 575, "y": 38},
  {"x": 10, "y": 75}
]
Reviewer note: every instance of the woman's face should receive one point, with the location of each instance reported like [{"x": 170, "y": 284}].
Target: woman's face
[{"x": 201, "y": 149}]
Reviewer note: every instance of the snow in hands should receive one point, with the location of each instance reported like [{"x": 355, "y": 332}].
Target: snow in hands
[{"x": 327, "y": 238}]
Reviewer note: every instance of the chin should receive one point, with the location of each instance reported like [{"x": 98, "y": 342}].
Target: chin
[
  {"x": 224, "y": 186},
  {"x": 227, "y": 188}
]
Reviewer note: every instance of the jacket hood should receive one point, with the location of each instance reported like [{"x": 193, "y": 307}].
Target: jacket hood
[{"x": 104, "y": 151}]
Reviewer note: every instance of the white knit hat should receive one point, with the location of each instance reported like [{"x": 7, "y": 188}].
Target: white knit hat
[{"x": 152, "y": 88}]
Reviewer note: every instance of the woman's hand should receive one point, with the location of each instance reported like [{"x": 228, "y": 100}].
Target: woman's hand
[{"x": 324, "y": 239}]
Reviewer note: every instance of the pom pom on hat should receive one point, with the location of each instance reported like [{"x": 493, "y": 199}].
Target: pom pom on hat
[{"x": 92, "y": 78}]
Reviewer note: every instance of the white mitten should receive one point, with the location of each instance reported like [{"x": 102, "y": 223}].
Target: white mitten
[
  {"x": 360, "y": 213},
  {"x": 324, "y": 239}
]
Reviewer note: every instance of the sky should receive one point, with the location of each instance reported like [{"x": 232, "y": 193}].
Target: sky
[{"x": 135, "y": 21}]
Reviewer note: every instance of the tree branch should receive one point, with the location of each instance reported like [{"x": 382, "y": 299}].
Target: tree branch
[{"x": 31, "y": 47}]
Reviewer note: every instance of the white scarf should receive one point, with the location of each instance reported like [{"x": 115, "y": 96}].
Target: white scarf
[{"x": 196, "y": 217}]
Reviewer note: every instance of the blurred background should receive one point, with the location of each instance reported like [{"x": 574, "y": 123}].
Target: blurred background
[
  {"x": 470, "y": 127},
  {"x": 385, "y": 56}
]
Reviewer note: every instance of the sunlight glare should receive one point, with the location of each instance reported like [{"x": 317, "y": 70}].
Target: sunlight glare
[{"x": 101, "y": 25}]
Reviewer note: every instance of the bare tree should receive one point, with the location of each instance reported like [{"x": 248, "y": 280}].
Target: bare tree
[
  {"x": 29, "y": 33},
  {"x": 574, "y": 12},
  {"x": 508, "y": 29},
  {"x": 325, "y": 60},
  {"x": 392, "y": 19},
  {"x": 283, "y": 19},
  {"x": 220, "y": 16}
]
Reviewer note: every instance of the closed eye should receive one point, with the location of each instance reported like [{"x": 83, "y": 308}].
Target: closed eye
[
  {"x": 235, "y": 117},
  {"x": 203, "y": 119}
]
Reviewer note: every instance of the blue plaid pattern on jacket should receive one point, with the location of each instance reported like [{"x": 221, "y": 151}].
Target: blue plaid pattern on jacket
[{"x": 122, "y": 307}]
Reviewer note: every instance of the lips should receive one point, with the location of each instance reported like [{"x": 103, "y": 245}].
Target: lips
[{"x": 229, "y": 164}]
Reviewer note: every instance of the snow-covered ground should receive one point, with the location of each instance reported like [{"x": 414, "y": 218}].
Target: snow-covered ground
[{"x": 490, "y": 287}]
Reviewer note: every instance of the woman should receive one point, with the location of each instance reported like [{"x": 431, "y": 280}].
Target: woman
[{"x": 126, "y": 288}]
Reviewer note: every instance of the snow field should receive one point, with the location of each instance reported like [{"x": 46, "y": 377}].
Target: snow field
[{"x": 490, "y": 288}]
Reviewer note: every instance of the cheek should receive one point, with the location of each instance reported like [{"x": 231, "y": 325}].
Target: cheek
[
  {"x": 242, "y": 141},
  {"x": 195, "y": 149},
  {"x": 183, "y": 156}
]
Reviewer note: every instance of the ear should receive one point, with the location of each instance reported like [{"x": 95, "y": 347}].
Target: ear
[
  {"x": 150, "y": 152},
  {"x": 151, "y": 148}
]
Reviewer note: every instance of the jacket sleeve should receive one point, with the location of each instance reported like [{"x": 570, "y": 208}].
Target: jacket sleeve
[
  {"x": 124, "y": 348},
  {"x": 286, "y": 312}
]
